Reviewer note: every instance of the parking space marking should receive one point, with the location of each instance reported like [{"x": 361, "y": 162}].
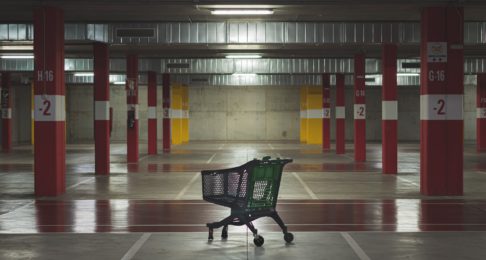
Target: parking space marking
[
  {"x": 309, "y": 191},
  {"x": 356, "y": 248},
  {"x": 79, "y": 183},
  {"x": 134, "y": 249},
  {"x": 211, "y": 158},
  {"x": 188, "y": 185}
]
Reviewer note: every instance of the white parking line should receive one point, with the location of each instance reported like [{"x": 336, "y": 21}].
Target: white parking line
[
  {"x": 210, "y": 159},
  {"x": 79, "y": 183},
  {"x": 356, "y": 248},
  {"x": 407, "y": 181},
  {"x": 309, "y": 191},
  {"x": 19, "y": 208},
  {"x": 143, "y": 157},
  {"x": 134, "y": 249},
  {"x": 188, "y": 185}
]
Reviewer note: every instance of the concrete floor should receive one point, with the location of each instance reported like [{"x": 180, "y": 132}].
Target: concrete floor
[{"x": 337, "y": 209}]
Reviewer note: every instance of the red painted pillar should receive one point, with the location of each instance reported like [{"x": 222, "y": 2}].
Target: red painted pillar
[
  {"x": 132, "y": 105},
  {"x": 481, "y": 113},
  {"x": 389, "y": 107},
  {"x": 152, "y": 112},
  {"x": 101, "y": 108},
  {"x": 6, "y": 103},
  {"x": 340, "y": 115},
  {"x": 49, "y": 102},
  {"x": 441, "y": 101},
  {"x": 166, "y": 107},
  {"x": 359, "y": 109},
  {"x": 326, "y": 109}
]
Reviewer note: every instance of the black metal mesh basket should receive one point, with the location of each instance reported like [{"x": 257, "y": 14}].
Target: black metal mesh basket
[{"x": 227, "y": 187}]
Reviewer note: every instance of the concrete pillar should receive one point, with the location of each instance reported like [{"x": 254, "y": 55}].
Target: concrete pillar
[
  {"x": 389, "y": 107},
  {"x": 340, "y": 115},
  {"x": 441, "y": 101},
  {"x": 152, "y": 112},
  {"x": 49, "y": 102},
  {"x": 359, "y": 109},
  {"x": 6, "y": 105},
  {"x": 326, "y": 109},
  {"x": 101, "y": 92},
  {"x": 166, "y": 109},
  {"x": 132, "y": 105},
  {"x": 481, "y": 113}
]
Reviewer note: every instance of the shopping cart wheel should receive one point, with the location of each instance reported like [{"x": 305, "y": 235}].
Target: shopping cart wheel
[
  {"x": 289, "y": 237},
  {"x": 210, "y": 236},
  {"x": 224, "y": 233},
  {"x": 258, "y": 240}
]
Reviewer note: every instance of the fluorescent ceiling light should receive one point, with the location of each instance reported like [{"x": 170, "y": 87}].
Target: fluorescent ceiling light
[
  {"x": 27, "y": 56},
  {"x": 241, "y": 12},
  {"x": 243, "y": 56},
  {"x": 17, "y": 47},
  {"x": 244, "y": 74},
  {"x": 408, "y": 74},
  {"x": 119, "y": 83},
  {"x": 84, "y": 74}
]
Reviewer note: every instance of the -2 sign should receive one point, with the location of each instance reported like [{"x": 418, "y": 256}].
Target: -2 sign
[
  {"x": 440, "y": 108},
  {"x": 359, "y": 111},
  {"x": 46, "y": 108},
  {"x": 49, "y": 108}
]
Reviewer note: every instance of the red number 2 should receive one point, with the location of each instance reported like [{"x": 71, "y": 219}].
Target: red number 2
[
  {"x": 47, "y": 107},
  {"x": 361, "y": 111},
  {"x": 441, "y": 104}
]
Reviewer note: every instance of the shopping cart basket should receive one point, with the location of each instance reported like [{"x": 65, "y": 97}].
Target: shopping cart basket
[{"x": 250, "y": 190}]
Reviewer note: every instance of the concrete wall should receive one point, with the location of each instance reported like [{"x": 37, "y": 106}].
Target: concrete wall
[
  {"x": 233, "y": 113},
  {"x": 79, "y": 104},
  {"x": 244, "y": 113}
]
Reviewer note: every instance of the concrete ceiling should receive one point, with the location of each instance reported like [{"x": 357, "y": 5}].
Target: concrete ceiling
[
  {"x": 198, "y": 10},
  {"x": 133, "y": 11}
]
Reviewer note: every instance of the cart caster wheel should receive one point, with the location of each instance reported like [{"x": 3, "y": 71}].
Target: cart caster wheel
[
  {"x": 210, "y": 236},
  {"x": 224, "y": 233},
  {"x": 258, "y": 240},
  {"x": 289, "y": 237}
]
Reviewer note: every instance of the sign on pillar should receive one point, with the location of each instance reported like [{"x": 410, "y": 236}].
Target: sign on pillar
[
  {"x": 152, "y": 112},
  {"x": 340, "y": 115},
  {"x": 481, "y": 113},
  {"x": 389, "y": 109},
  {"x": 132, "y": 105},
  {"x": 166, "y": 110},
  {"x": 49, "y": 102},
  {"x": 326, "y": 109},
  {"x": 6, "y": 106},
  {"x": 101, "y": 108},
  {"x": 359, "y": 109},
  {"x": 441, "y": 101}
]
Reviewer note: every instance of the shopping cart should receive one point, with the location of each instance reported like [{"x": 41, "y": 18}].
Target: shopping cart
[{"x": 250, "y": 190}]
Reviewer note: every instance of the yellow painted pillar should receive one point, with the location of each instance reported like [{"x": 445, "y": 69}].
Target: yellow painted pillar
[
  {"x": 303, "y": 114},
  {"x": 314, "y": 115},
  {"x": 185, "y": 109},
  {"x": 176, "y": 113}
]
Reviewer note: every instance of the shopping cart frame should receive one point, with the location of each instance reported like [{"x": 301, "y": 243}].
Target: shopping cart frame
[{"x": 244, "y": 209}]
